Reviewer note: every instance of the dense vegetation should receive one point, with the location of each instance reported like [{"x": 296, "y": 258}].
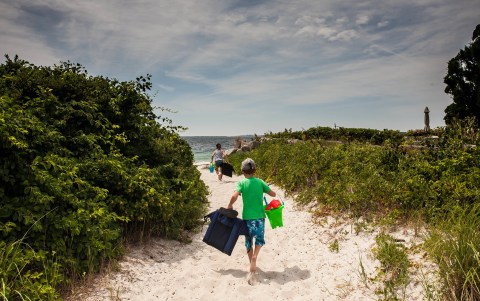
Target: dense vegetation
[
  {"x": 438, "y": 183},
  {"x": 341, "y": 134},
  {"x": 84, "y": 164},
  {"x": 365, "y": 178}
]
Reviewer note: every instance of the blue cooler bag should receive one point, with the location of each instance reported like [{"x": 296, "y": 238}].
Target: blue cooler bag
[{"x": 223, "y": 231}]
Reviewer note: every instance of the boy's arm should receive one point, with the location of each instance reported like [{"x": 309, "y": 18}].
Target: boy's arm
[
  {"x": 233, "y": 199},
  {"x": 270, "y": 191}
]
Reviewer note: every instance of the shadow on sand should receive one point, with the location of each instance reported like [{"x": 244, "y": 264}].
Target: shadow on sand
[{"x": 291, "y": 274}]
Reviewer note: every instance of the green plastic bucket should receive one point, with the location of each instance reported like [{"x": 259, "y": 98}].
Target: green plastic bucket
[{"x": 275, "y": 216}]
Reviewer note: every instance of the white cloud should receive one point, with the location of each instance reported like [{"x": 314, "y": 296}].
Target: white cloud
[
  {"x": 186, "y": 76},
  {"x": 345, "y": 35},
  {"x": 326, "y": 32},
  {"x": 362, "y": 20},
  {"x": 383, "y": 23}
]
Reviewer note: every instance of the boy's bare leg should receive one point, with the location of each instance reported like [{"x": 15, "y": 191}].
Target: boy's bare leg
[
  {"x": 250, "y": 255},
  {"x": 253, "y": 255}
]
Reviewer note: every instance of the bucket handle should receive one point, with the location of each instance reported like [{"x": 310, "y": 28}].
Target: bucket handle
[{"x": 265, "y": 199}]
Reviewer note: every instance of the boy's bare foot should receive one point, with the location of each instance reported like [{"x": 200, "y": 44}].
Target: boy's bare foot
[{"x": 251, "y": 278}]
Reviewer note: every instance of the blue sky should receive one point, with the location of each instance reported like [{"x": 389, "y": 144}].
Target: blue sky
[{"x": 234, "y": 67}]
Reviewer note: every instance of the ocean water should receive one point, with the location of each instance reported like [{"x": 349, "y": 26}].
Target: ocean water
[{"x": 203, "y": 146}]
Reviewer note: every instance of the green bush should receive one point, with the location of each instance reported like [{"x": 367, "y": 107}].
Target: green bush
[{"x": 84, "y": 164}]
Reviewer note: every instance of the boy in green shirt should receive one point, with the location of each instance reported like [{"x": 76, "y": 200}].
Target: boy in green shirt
[{"x": 252, "y": 189}]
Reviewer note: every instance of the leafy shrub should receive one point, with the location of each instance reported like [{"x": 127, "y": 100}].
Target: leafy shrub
[{"x": 84, "y": 164}]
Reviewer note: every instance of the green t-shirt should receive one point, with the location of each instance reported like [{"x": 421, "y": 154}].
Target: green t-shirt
[{"x": 252, "y": 190}]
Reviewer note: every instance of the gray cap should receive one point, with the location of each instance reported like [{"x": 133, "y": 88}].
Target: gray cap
[{"x": 248, "y": 165}]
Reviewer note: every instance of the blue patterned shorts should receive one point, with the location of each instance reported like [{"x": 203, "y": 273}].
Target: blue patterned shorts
[{"x": 256, "y": 229}]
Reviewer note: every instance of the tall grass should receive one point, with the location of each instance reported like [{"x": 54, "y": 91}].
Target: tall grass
[
  {"x": 454, "y": 244},
  {"x": 394, "y": 266},
  {"x": 26, "y": 274}
]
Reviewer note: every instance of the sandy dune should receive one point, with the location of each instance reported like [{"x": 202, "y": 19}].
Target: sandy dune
[{"x": 295, "y": 264}]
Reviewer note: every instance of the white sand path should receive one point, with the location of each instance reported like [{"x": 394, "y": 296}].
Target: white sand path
[{"x": 295, "y": 264}]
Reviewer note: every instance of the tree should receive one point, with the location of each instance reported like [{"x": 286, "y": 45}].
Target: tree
[{"x": 463, "y": 82}]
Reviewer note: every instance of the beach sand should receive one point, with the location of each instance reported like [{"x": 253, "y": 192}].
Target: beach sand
[{"x": 298, "y": 262}]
